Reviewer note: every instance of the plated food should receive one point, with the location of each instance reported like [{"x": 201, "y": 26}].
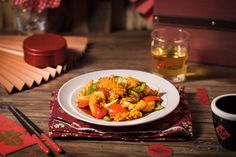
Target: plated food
[
  {"x": 68, "y": 93},
  {"x": 118, "y": 98}
]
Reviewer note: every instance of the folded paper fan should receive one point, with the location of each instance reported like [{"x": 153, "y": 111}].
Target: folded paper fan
[{"x": 15, "y": 73}]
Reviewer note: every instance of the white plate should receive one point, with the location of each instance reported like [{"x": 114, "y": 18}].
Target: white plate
[{"x": 67, "y": 95}]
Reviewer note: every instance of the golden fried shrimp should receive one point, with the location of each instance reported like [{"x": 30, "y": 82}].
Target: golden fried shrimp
[
  {"x": 116, "y": 92},
  {"x": 115, "y": 89},
  {"x": 81, "y": 98},
  {"x": 127, "y": 115},
  {"x": 107, "y": 82},
  {"x": 132, "y": 82},
  {"x": 113, "y": 96},
  {"x": 96, "y": 98},
  {"x": 149, "y": 106},
  {"x": 139, "y": 106},
  {"x": 148, "y": 91},
  {"x": 97, "y": 102}
]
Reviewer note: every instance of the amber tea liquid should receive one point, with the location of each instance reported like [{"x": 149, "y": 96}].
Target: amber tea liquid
[
  {"x": 169, "y": 51},
  {"x": 170, "y": 64}
]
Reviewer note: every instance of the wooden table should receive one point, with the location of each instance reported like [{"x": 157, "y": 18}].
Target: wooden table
[{"x": 128, "y": 50}]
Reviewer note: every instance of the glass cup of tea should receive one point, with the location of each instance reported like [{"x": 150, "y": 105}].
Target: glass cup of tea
[
  {"x": 224, "y": 119},
  {"x": 169, "y": 52}
]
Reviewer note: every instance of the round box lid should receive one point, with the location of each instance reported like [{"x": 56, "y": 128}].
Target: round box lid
[
  {"x": 44, "y": 50},
  {"x": 44, "y": 44}
]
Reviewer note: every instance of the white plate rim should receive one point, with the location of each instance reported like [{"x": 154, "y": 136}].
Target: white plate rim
[{"x": 68, "y": 90}]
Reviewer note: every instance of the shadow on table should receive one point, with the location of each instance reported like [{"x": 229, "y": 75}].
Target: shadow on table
[
  {"x": 198, "y": 72},
  {"x": 192, "y": 101}
]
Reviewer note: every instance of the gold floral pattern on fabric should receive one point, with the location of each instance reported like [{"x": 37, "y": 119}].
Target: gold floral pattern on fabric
[{"x": 11, "y": 137}]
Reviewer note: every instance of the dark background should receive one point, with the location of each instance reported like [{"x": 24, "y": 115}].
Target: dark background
[{"x": 83, "y": 16}]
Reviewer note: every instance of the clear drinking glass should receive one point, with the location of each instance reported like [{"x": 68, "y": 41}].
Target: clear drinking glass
[
  {"x": 169, "y": 51},
  {"x": 29, "y": 21}
]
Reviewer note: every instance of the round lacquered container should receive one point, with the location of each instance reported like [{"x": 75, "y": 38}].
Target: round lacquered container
[{"x": 44, "y": 50}]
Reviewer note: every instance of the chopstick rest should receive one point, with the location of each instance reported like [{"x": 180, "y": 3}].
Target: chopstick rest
[{"x": 22, "y": 118}]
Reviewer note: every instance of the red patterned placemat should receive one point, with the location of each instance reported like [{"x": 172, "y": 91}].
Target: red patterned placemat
[{"x": 175, "y": 126}]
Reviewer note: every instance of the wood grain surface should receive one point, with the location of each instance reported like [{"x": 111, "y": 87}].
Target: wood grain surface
[{"x": 127, "y": 50}]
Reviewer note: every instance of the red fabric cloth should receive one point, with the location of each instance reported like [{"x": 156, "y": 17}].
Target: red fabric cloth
[
  {"x": 13, "y": 137},
  {"x": 145, "y": 8},
  {"x": 175, "y": 126},
  {"x": 37, "y": 5}
]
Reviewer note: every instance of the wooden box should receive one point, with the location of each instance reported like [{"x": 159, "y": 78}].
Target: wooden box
[{"x": 211, "y": 23}]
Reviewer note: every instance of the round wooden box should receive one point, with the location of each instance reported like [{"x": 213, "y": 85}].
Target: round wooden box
[{"x": 44, "y": 50}]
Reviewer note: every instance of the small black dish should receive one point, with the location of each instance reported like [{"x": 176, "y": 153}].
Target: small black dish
[{"x": 224, "y": 119}]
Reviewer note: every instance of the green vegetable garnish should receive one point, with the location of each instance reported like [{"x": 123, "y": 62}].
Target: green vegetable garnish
[
  {"x": 129, "y": 99},
  {"x": 92, "y": 88},
  {"x": 133, "y": 93},
  {"x": 140, "y": 88},
  {"x": 119, "y": 79},
  {"x": 132, "y": 99},
  {"x": 106, "y": 118},
  {"x": 111, "y": 103},
  {"x": 159, "y": 107}
]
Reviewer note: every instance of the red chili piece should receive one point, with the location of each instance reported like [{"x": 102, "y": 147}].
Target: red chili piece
[{"x": 99, "y": 111}]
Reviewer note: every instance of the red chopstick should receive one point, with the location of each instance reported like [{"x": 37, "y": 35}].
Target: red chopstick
[
  {"x": 16, "y": 112},
  {"x": 42, "y": 146}
]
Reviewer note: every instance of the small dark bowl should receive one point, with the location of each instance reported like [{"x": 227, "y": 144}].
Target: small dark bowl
[
  {"x": 224, "y": 119},
  {"x": 44, "y": 50}
]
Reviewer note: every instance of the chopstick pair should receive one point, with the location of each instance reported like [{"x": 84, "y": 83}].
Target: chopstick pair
[{"x": 23, "y": 119}]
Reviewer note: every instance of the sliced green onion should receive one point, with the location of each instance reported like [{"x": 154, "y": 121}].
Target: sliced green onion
[
  {"x": 140, "y": 88},
  {"x": 129, "y": 99},
  {"x": 92, "y": 88},
  {"x": 119, "y": 79},
  {"x": 111, "y": 103},
  {"x": 133, "y": 93}
]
